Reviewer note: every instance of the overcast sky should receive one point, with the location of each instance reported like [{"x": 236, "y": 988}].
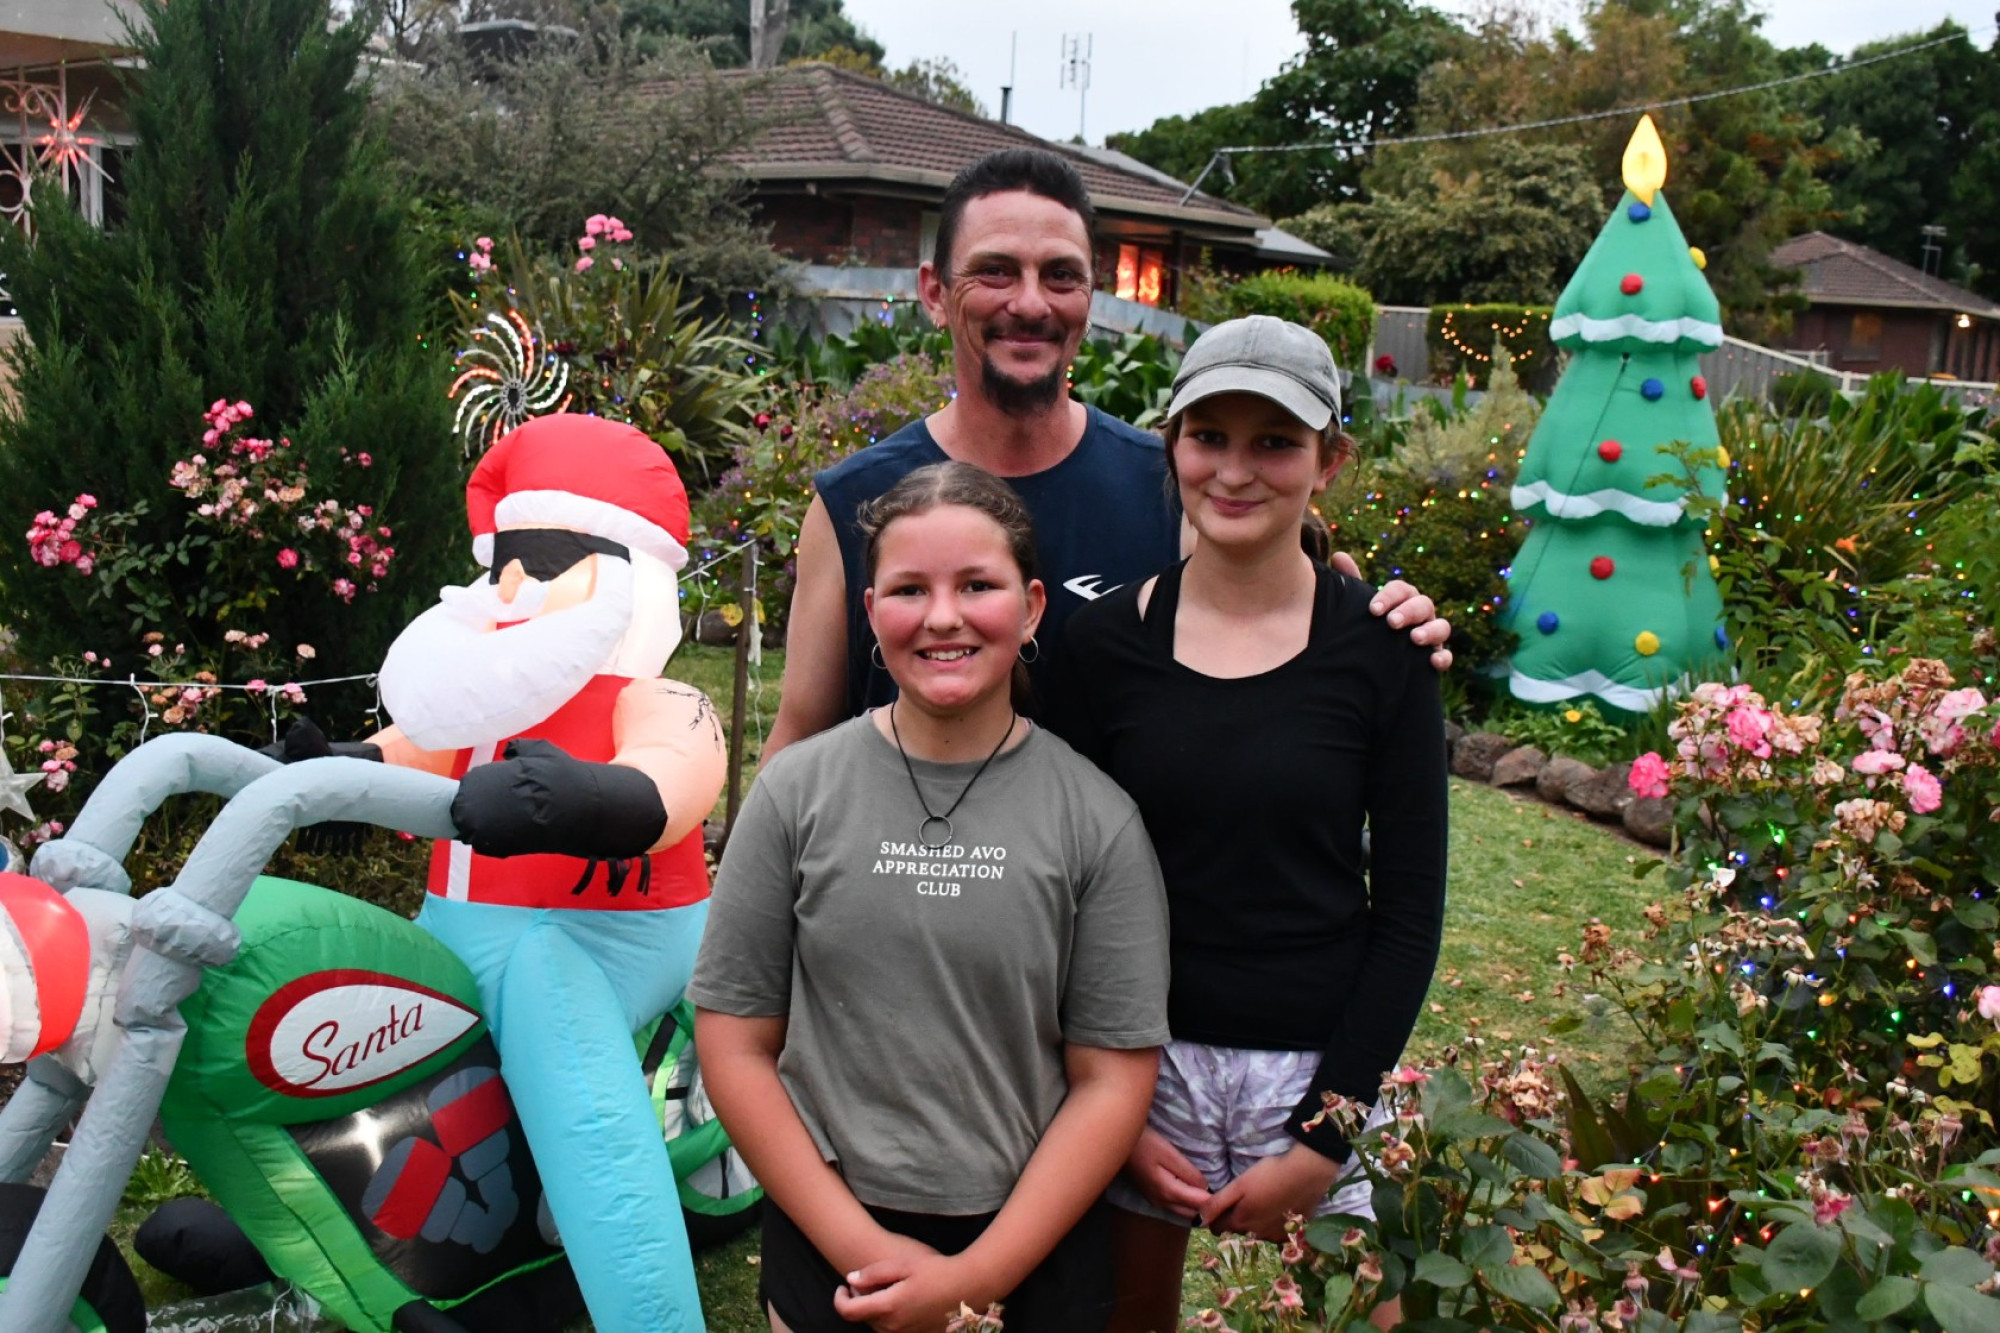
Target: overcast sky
[{"x": 1153, "y": 58}]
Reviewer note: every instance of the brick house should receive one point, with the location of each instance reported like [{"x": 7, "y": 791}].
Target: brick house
[
  {"x": 848, "y": 170},
  {"x": 1870, "y": 313}
]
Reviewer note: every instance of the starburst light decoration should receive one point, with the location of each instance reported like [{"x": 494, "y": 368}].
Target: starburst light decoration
[
  {"x": 51, "y": 142},
  {"x": 506, "y": 377}
]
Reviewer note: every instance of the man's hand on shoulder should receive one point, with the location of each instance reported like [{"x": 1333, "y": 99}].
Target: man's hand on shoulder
[{"x": 1406, "y": 608}]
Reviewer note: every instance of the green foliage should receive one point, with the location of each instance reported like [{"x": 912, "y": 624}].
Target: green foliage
[
  {"x": 1131, "y": 377},
  {"x": 572, "y": 129},
  {"x": 722, "y": 28},
  {"x": 940, "y": 81},
  {"x": 1471, "y": 444},
  {"x": 806, "y": 428},
  {"x": 1334, "y": 308},
  {"x": 1450, "y": 540},
  {"x": 1357, "y": 79},
  {"x": 1826, "y": 517},
  {"x": 264, "y": 258},
  {"x": 837, "y": 360},
  {"x": 1924, "y": 120},
  {"x": 1577, "y": 730},
  {"x": 1507, "y": 226},
  {"x": 636, "y": 348},
  {"x": 1804, "y": 393},
  {"x": 1460, "y": 336}
]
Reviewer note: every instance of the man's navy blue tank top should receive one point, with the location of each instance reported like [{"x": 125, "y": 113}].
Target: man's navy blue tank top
[{"x": 1103, "y": 517}]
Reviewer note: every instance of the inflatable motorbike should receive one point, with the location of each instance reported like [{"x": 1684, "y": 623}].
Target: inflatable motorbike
[{"x": 321, "y": 1063}]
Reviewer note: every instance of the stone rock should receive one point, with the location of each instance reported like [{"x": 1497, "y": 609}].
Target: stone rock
[
  {"x": 1453, "y": 733},
  {"x": 1559, "y": 775},
  {"x": 1604, "y": 794},
  {"x": 1474, "y": 755},
  {"x": 1519, "y": 767},
  {"x": 1650, "y": 819},
  {"x": 713, "y": 629}
]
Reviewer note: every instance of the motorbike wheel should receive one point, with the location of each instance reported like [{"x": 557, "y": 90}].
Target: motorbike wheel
[{"x": 109, "y": 1302}]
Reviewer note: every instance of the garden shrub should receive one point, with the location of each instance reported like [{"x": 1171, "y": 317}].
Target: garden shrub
[
  {"x": 1807, "y": 1139},
  {"x": 616, "y": 331},
  {"x": 1467, "y": 443},
  {"x": 1803, "y": 393},
  {"x": 262, "y": 260},
  {"x": 764, "y": 494},
  {"x": 1130, "y": 376},
  {"x": 837, "y": 360},
  {"x": 1335, "y": 309},
  {"x": 1459, "y": 337}
]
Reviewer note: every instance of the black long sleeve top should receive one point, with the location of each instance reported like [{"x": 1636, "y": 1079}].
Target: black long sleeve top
[{"x": 1255, "y": 791}]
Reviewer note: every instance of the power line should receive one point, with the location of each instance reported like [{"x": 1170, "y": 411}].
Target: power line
[{"x": 1221, "y": 155}]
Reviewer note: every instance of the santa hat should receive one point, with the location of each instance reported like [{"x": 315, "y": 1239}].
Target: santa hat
[
  {"x": 44, "y": 968},
  {"x": 582, "y": 472}
]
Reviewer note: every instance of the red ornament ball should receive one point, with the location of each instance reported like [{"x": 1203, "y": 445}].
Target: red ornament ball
[
  {"x": 1632, "y": 285},
  {"x": 1610, "y": 451},
  {"x": 763, "y": 420},
  {"x": 1601, "y": 567},
  {"x": 1700, "y": 386}
]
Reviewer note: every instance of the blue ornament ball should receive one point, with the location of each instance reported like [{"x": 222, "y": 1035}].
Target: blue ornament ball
[
  {"x": 1638, "y": 212},
  {"x": 1721, "y": 637},
  {"x": 1547, "y": 621},
  {"x": 1652, "y": 391}
]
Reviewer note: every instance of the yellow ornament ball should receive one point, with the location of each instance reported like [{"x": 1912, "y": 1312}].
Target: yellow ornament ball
[
  {"x": 1700, "y": 259},
  {"x": 1722, "y": 457},
  {"x": 1714, "y": 565},
  {"x": 1647, "y": 643}
]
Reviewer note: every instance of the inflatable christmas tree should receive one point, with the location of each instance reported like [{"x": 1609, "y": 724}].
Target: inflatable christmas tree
[{"x": 1611, "y": 593}]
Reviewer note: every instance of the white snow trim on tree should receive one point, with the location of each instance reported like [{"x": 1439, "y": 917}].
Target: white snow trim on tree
[
  {"x": 1634, "y": 326},
  {"x": 1650, "y": 513},
  {"x": 1628, "y": 697},
  {"x": 564, "y": 509}
]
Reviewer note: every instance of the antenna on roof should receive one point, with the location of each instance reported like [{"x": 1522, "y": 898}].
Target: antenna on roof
[
  {"x": 1076, "y": 72},
  {"x": 1007, "y": 88}
]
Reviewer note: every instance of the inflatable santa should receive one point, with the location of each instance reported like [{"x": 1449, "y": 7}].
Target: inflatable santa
[{"x": 577, "y": 887}]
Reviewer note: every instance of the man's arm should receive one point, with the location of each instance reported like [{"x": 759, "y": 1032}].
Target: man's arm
[
  {"x": 815, "y": 684},
  {"x": 1408, "y": 609}
]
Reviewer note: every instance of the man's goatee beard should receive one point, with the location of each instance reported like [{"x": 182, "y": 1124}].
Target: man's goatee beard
[{"x": 1017, "y": 398}]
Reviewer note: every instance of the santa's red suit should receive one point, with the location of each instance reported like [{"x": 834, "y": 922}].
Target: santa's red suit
[{"x": 577, "y": 888}]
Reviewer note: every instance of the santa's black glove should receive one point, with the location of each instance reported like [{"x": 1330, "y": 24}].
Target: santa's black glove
[{"x": 537, "y": 798}]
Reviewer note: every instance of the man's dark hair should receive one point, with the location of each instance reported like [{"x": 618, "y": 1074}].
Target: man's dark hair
[{"x": 1035, "y": 170}]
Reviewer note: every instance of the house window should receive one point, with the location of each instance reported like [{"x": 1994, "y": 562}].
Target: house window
[
  {"x": 1140, "y": 269},
  {"x": 1864, "y": 337}
]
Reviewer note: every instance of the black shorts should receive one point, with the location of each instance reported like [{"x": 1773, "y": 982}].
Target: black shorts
[{"x": 1072, "y": 1291}]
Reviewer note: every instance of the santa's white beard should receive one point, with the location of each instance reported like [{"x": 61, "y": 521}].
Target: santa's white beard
[{"x": 452, "y": 680}]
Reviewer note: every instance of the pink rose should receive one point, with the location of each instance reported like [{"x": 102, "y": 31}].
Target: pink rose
[
  {"x": 288, "y": 559},
  {"x": 584, "y": 264},
  {"x": 1924, "y": 791},
  {"x": 1872, "y": 762},
  {"x": 1649, "y": 775},
  {"x": 586, "y": 244},
  {"x": 1989, "y": 1003},
  {"x": 257, "y": 686},
  {"x": 621, "y": 236},
  {"x": 1957, "y": 704},
  {"x": 595, "y": 224},
  {"x": 485, "y": 244},
  {"x": 1747, "y": 729}
]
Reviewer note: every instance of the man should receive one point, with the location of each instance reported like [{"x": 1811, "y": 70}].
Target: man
[
  {"x": 577, "y": 889},
  {"x": 1011, "y": 279}
]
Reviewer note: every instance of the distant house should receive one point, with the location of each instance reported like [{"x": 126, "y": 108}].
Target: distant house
[
  {"x": 851, "y": 171},
  {"x": 1869, "y": 313}
]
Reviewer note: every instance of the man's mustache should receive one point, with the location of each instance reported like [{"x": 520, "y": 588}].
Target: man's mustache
[{"x": 1046, "y": 330}]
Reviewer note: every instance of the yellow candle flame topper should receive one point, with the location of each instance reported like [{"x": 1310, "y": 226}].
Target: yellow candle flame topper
[{"x": 1645, "y": 166}]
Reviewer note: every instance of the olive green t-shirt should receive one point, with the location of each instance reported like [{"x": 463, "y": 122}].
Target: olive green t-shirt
[{"x": 930, "y": 992}]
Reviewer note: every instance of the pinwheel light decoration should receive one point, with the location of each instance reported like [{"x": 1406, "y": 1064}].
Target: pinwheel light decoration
[{"x": 507, "y": 376}]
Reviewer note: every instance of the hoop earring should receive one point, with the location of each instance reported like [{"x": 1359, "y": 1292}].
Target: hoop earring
[
  {"x": 1031, "y": 643},
  {"x": 875, "y": 656}
]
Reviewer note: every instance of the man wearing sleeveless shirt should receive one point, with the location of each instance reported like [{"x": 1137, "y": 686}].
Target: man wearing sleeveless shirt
[{"x": 1012, "y": 282}]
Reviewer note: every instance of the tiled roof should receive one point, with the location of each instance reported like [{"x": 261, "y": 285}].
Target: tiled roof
[
  {"x": 1841, "y": 272},
  {"x": 825, "y": 123}
]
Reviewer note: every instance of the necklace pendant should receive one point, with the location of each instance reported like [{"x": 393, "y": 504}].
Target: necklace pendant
[{"x": 938, "y": 826}]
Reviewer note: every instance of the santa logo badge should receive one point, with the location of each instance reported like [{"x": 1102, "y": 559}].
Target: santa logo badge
[{"x": 332, "y": 1032}]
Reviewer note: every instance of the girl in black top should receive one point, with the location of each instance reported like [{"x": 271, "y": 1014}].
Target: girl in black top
[{"x": 1260, "y": 716}]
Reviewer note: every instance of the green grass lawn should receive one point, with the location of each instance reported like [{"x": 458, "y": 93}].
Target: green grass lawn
[{"x": 1523, "y": 878}]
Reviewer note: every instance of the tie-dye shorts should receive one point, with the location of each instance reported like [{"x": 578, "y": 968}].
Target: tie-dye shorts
[{"x": 1225, "y": 1108}]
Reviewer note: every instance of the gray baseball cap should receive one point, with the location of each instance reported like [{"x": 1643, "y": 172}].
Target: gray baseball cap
[{"x": 1272, "y": 358}]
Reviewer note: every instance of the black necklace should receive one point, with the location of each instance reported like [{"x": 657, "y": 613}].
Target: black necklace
[{"x": 925, "y": 829}]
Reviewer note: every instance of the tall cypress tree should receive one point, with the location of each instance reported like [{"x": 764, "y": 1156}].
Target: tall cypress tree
[{"x": 264, "y": 257}]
